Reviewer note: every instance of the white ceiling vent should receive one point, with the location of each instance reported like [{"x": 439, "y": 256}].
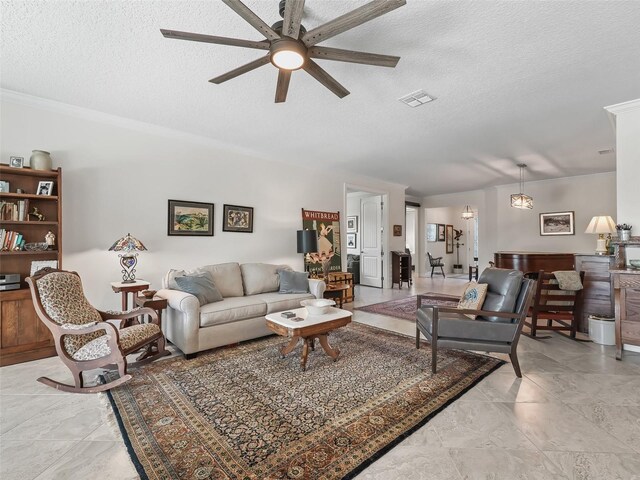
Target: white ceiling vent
[{"x": 417, "y": 98}]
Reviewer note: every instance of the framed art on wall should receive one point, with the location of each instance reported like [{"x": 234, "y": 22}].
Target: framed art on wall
[
  {"x": 557, "y": 223},
  {"x": 449, "y": 238},
  {"x": 352, "y": 240},
  {"x": 397, "y": 230},
  {"x": 352, "y": 224},
  {"x": 190, "y": 218},
  {"x": 237, "y": 219},
  {"x": 432, "y": 232},
  {"x": 441, "y": 235}
]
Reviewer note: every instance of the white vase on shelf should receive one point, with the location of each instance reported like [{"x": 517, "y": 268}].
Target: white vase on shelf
[{"x": 40, "y": 160}]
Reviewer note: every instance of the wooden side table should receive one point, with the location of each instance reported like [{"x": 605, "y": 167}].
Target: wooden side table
[
  {"x": 343, "y": 278},
  {"x": 156, "y": 303},
  {"x": 337, "y": 291},
  {"x": 129, "y": 288}
]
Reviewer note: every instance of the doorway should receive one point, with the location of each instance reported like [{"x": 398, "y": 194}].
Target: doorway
[{"x": 365, "y": 243}]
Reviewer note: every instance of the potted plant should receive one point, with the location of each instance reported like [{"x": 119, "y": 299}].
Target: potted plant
[{"x": 624, "y": 232}]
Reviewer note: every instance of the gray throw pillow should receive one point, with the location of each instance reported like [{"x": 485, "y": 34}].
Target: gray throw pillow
[
  {"x": 293, "y": 282},
  {"x": 201, "y": 285}
]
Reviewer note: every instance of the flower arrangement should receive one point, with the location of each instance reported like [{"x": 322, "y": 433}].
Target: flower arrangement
[{"x": 623, "y": 226}]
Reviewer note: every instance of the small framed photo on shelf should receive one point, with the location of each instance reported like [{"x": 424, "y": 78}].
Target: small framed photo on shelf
[
  {"x": 45, "y": 188},
  {"x": 352, "y": 240},
  {"x": 557, "y": 223},
  {"x": 16, "y": 162},
  {"x": 4, "y": 186},
  {"x": 352, "y": 224},
  {"x": 190, "y": 218},
  {"x": 237, "y": 219}
]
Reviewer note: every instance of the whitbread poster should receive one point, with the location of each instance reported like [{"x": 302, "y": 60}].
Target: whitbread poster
[{"x": 327, "y": 226}]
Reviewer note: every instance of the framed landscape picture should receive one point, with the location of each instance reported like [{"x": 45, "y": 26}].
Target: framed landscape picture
[
  {"x": 352, "y": 224},
  {"x": 449, "y": 238},
  {"x": 441, "y": 235},
  {"x": 557, "y": 223},
  {"x": 190, "y": 218},
  {"x": 432, "y": 232},
  {"x": 237, "y": 219}
]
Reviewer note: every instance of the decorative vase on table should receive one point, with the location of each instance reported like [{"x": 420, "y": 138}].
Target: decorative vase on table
[{"x": 40, "y": 160}]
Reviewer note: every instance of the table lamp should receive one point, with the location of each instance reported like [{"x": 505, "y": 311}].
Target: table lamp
[
  {"x": 307, "y": 243},
  {"x": 128, "y": 260},
  {"x": 601, "y": 225}
]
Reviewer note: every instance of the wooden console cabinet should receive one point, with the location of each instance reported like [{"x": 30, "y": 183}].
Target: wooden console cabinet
[
  {"x": 400, "y": 268},
  {"x": 626, "y": 285},
  {"x": 23, "y": 337},
  {"x": 597, "y": 297},
  {"x": 343, "y": 278},
  {"x": 534, "y": 261}
]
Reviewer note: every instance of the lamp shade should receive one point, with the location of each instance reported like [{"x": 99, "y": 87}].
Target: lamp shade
[
  {"x": 601, "y": 224},
  {"x": 307, "y": 241},
  {"x": 467, "y": 213},
  {"x": 127, "y": 244},
  {"x": 520, "y": 200}
]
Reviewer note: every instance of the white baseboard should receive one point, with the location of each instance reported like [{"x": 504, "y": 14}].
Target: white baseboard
[{"x": 631, "y": 348}]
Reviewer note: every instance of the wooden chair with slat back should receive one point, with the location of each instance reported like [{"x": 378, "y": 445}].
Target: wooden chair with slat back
[{"x": 561, "y": 309}]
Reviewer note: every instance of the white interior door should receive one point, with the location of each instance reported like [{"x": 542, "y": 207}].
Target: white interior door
[{"x": 371, "y": 241}]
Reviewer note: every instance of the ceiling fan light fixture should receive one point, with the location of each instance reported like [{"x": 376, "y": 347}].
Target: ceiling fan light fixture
[{"x": 288, "y": 54}]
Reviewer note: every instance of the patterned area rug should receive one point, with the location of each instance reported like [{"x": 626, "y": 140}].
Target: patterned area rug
[
  {"x": 245, "y": 413},
  {"x": 406, "y": 307}
]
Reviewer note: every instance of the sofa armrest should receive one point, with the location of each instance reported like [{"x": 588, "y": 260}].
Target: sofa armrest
[
  {"x": 317, "y": 287},
  {"x": 182, "y": 324}
]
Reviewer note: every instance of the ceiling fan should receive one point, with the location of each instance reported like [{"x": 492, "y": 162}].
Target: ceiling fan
[{"x": 292, "y": 47}]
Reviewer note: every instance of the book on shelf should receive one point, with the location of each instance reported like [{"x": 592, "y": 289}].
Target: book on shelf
[
  {"x": 14, "y": 211},
  {"x": 11, "y": 241}
]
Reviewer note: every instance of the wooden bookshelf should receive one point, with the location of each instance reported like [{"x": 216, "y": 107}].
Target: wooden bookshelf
[{"x": 23, "y": 337}]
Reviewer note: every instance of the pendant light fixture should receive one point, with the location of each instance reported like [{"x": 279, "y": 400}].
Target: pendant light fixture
[
  {"x": 467, "y": 213},
  {"x": 520, "y": 200}
]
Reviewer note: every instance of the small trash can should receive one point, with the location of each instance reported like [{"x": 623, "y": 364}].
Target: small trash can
[{"x": 602, "y": 330}]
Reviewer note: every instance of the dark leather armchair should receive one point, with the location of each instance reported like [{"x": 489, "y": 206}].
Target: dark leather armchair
[
  {"x": 435, "y": 262},
  {"x": 497, "y": 327}
]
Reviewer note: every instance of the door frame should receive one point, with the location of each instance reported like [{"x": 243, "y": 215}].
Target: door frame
[{"x": 386, "y": 236}]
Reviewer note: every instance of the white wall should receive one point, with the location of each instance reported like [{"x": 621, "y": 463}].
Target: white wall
[
  {"x": 628, "y": 165},
  {"x": 504, "y": 228},
  {"x": 118, "y": 175}
]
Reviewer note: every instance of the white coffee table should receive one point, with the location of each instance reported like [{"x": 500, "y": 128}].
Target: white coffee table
[{"x": 308, "y": 329}]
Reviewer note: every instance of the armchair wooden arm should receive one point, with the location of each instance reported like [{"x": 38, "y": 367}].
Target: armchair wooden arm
[
  {"x": 482, "y": 313},
  {"x": 445, "y": 298},
  {"x": 132, "y": 314}
]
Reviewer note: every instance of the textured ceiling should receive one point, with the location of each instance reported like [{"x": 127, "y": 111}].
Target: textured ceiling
[{"x": 514, "y": 81}]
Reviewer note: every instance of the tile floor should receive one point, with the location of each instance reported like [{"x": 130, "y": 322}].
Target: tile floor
[{"x": 574, "y": 415}]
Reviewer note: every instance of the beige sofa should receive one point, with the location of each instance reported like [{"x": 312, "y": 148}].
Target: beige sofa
[{"x": 249, "y": 291}]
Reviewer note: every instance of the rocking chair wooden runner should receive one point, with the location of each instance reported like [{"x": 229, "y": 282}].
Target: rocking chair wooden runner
[{"x": 83, "y": 338}]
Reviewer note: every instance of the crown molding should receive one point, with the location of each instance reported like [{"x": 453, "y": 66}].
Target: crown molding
[
  {"x": 55, "y": 106},
  {"x": 614, "y": 110}
]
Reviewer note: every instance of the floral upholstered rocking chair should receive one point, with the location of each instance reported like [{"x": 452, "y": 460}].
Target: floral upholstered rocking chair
[{"x": 83, "y": 338}]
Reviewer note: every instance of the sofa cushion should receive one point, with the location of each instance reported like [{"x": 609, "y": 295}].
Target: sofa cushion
[
  {"x": 201, "y": 286},
  {"x": 261, "y": 277},
  {"x": 279, "y": 302},
  {"x": 293, "y": 282},
  {"x": 226, "y": 276},
  {"x": 232, "y": 309}
]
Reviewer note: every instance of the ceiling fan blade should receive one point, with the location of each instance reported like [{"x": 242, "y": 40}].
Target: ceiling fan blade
[
  {"x": 283, "y": 85},
  {"x": 240, "y": 70},
  {"x": 292, "y": 18},
  {"x": 197, "y": 37},
  {"x": 255, "y": 21},
  {"x": 317, "y": 72},
  {"x": 350, "y": 20},
  {"x": 337, "y": 54}
]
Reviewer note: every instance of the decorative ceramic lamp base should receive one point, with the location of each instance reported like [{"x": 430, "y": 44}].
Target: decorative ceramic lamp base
[
  {"x": 601, "y": 246},
  {"x": 128, "y": 263}
]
